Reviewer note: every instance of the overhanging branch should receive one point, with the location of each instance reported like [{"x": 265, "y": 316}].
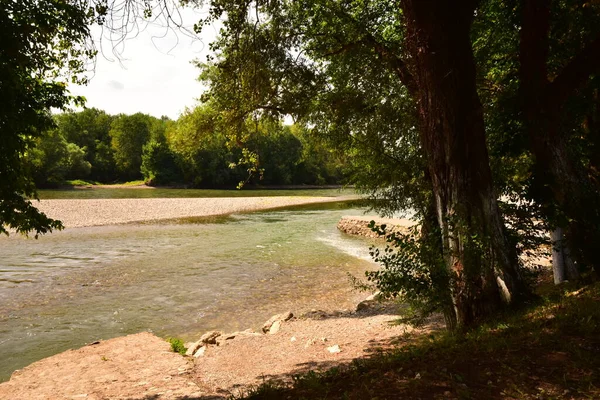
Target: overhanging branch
[{"x": 576, "y": 72}]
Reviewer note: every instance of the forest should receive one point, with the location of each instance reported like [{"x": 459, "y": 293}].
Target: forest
[{"x": 192, "y": 151}]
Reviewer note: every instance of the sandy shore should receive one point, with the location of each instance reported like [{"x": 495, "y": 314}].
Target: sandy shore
[
  {"x": 96, "y": 212},
  {"x": 142, "y": 366}
]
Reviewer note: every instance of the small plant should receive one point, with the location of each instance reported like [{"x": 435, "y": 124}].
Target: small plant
[{"x": 177, "y": 345}]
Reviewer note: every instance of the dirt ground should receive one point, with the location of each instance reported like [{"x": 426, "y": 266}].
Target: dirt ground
[{"x": 142, "y": 366}]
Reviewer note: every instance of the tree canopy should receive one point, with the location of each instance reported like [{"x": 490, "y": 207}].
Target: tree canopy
[
  {"x": 446, "y": 106},
  {"x": 43, "y": 46}
]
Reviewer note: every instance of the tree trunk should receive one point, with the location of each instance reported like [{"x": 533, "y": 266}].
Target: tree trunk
[
  {"x": 570, "y": 188},
  {"x": 563, "y": 266},
  {"x": 558, "y": 260},
  {"x": 452, "y": 133}
]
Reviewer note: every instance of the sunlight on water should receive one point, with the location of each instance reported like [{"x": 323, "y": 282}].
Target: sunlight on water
[{"x": 233, "y": 273}]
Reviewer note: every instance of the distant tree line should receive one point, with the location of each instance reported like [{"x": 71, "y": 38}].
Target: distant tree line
[{"x": 193, "y": 151}]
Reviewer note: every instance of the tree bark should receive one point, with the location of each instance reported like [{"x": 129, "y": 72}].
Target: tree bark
[
  {"x": 563, "y": 267},
  {"x": 570, "y": 188},
  {"x": 452, "y": 133}
]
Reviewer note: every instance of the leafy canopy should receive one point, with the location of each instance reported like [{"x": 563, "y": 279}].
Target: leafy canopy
[{"x": 43, "y": 46}]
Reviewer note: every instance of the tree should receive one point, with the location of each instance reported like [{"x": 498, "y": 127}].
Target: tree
[
  {"x": 129, "y": 134},
  {"x": 43, "y": 45},
  {"x": 294, "y": 52},
  {"x": 89, "y": 129},
  {"x": 326, "y": 61},
  {"x": 548, "y": 81},
  {"x": 159, "y": 164}
]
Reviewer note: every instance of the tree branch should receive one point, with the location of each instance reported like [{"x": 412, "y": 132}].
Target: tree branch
[
  {"x": 396, "y": 63},
  {"x": 576, "y": 72},
  {"x": 533, "y": 50}
]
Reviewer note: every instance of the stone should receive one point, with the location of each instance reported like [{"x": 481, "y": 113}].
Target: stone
[
  {"x": 375, "y": 296},
  {"x": 200, "y": 352},
  {"x": 286, "y": 316},
  {"x": 210, "y": 337},
  {"x": 275, "y": 327},
  {"x": 334, "y": 349},
  {"x": 192, "y": 347},
  {"x": 365, "y": 305}
]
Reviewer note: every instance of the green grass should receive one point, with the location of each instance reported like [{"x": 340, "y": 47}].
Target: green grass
[
  {"x": 549, "y": 350},
  {"x": 80, "y": 182},
  {"x": 132, "y": 183},
  {"x": 177, "y": 345}
]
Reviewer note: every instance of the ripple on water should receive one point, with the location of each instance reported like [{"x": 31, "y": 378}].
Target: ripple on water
[{"x": 173, "y": 279}]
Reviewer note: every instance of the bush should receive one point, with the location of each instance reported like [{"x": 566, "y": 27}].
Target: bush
[{"x": 177, "y": 345}]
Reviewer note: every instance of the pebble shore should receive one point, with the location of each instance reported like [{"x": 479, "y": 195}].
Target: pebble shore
[{"x": 97, "y": 212}]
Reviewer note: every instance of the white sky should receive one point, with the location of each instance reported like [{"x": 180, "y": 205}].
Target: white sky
[{"x": 155, "y": 74}]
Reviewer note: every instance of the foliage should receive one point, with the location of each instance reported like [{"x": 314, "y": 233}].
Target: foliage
[
  {"x": 43, "y": 45},
  {"x": 128, "y": 135},
  {"x": 89, "y": 129},
  {"x": 177, "y": 345},
  {"x": 412, "y": 269},
  {"x": 366, "y": 77},
  {"x": 159, "y": 165}
]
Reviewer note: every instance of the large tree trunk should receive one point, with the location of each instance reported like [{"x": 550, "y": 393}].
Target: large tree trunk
[
  {"x": 570, "y": 188},
  {"x": 452, "y": 133}
]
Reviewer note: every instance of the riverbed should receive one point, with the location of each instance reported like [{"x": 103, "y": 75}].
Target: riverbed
[{"x": 174, "y": 279}]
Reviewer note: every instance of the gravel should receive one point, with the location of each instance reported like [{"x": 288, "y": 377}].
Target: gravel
[{"x": 96, "y": 212}]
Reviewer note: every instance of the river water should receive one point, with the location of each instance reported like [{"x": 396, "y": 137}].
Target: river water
[{"x": 228, "y": 273}]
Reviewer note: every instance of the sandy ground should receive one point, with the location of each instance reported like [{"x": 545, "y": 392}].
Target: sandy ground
[
  {"x": 141, "y": 366},
  {"x": 95, "y": 212}
]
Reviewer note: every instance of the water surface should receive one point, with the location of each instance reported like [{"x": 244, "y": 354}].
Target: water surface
[{"x": 229, "y": 273}]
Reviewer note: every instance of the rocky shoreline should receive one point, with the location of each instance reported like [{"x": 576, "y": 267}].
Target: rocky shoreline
[
  {"x": 142, "y": 366},
  {"x": 359, "y": 225}
]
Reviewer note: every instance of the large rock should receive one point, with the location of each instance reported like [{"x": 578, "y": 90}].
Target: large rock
[
  {"x": 370, "y": 302},
  {"x": 274, "y": 323},
  {"x": 210, "y": 337}
]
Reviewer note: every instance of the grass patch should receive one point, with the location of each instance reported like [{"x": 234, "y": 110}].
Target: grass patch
[
  {"x": 81, "y": 182},
  {"x": 548, "y": 350},
  {"x": 133, "y": 183},
  {"x": 177, "y": 345}
]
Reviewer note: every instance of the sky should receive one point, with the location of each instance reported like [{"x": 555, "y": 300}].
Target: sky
[{"x": 152, "y": 75}]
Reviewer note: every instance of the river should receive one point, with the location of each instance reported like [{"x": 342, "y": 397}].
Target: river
[{"x": 228, "y": 273}]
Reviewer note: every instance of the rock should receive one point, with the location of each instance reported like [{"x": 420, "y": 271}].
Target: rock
[
  {"x": 365, "y": 305},
  {"x": 293, "y": 339},
  {"x": 360, "y": 226},
  {"x": 210, "y": 337},
  {"x": 193, "y": 347},
  {"x": 334, "y": 349},
  {"x": 200, "y": 352},
  {"x": 315, "y": 314},
  {"x": 286, "y": 316},
  {"x": 275, "y": 327},
  {"x": 375, "y": 296}
]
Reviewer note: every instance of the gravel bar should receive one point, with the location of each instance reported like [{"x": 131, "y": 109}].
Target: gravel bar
[{"x": 97, "y": 212}]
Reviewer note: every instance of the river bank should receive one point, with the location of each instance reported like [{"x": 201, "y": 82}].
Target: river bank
[
  {"x": 75, "y": 213},
  {"x": 143, "y": 366}
]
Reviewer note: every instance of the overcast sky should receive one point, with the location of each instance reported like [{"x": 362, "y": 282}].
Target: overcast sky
[{"x": 155, "y": 74}]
